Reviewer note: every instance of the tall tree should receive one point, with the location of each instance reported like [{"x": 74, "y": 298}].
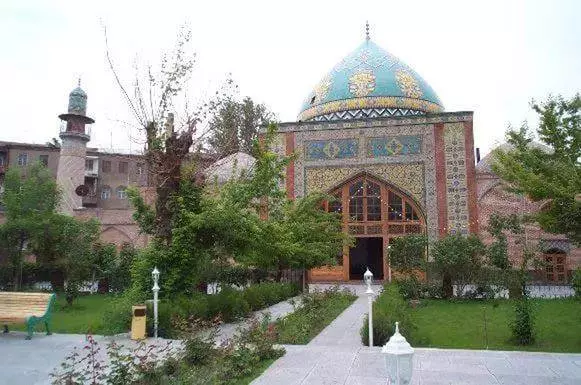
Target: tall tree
[
  {"x": 234, "y": 126},
  {"x": 551, "y": 172},
  {"x": 30, "y": 198},
  {"x": 458, "y": 259}
]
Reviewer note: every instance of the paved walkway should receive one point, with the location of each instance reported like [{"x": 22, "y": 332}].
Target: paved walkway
[
  {"x": 281, "y": 309},
  {"x": 336, "y": 356}
]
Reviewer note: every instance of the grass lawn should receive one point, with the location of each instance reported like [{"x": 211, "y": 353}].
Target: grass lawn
[
  {"x": 86, "y": 315},
  {"x": 301, "y": 326},
  {"x": 460, "y": 324}
]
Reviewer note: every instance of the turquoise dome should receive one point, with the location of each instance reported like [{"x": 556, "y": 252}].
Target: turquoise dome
[
  {"x": 369, "y": 82},
  {"x": 78, "y": 102}
]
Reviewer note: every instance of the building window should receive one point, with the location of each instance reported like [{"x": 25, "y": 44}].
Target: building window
[
  {"x": 122, "y": 167},
  {"x": 555, "y": 265},
  {"x": 89, "y": 164},
  {"x": 43, "y": 159},
  {"x": 139, "y": 169},
  {"x": 105, "y": 193},
  {"x": 106, "y": 165},
  {"x": 121, "y": 192},
  {"x": 22, "y": 159}
]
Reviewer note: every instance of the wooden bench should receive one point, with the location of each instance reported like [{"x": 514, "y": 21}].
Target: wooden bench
[{"x": 30, "y": 308}]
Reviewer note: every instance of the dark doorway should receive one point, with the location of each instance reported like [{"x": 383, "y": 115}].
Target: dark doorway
[{"x": 367, "y": 252}]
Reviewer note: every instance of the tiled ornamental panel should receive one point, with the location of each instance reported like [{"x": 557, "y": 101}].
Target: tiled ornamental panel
[
  {"x": 456, "y": 181},
  {"x": 394, "y": 145},
  {"x": 331, "y": 149}
]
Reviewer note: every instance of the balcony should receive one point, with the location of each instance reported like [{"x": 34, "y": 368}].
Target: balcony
[{"x": 90, "y": 200}]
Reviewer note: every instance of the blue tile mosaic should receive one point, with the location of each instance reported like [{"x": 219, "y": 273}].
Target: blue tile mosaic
[
  {"x": 394, "y": 145},
  {"x": 331, "y": 149}
]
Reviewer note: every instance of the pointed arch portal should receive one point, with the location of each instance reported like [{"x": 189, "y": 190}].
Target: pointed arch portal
[{"x": 374, "y": 212}]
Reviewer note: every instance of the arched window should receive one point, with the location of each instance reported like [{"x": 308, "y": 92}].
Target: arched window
[
  {"x": 370, "y": 207},
  {"x": 121, "y": 192},
  {"x": 105, "y": 192},
  {"x": 555, "y": 261}
]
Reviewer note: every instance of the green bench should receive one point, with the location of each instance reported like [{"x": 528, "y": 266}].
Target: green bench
[{"x": 30, "y": 308}]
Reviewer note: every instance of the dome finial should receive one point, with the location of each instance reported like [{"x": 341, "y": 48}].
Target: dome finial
[
  {"x": 79, "y": 82},
  {"x": 367, "y": 30}
]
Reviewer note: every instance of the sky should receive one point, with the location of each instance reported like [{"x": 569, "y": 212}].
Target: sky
[{"x": 490, "y": 57}]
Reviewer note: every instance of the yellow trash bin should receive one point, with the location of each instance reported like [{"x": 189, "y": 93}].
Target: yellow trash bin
[{"x": 138, "y": 322}]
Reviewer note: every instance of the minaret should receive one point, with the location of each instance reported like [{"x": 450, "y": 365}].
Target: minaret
[{"x": 71, "y": 168}]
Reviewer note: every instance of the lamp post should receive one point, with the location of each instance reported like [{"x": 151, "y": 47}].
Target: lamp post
[
  {"x": 398, "y": 358},
  {"x": 155, "y": 276},
  {"x": 368, "y": 278},
  {"x": 389, "y": 264}
]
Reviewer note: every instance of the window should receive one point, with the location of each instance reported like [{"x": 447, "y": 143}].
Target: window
[
  {"x": 373, "y": 201},
  {"x": 106, "y": 165},
  {"x": 555, "y": 265},
  {"x": 336, "y": 206},
  {"x": 121, "y": 192},
  {"x": 139, "y": 169},
  {"x": 410, "y": 213},
  {"x": 43, "y": 159},
  {"x": 122, "y": 167},
  {"x": 22, "y": 159},
  {"x": 2, "y": 160},
  {"x": 395, "y": 207},
  {"x": 105, "y": 193},
  {"x": 356, "y": 201},
  {"x": 89, "y": 165}
]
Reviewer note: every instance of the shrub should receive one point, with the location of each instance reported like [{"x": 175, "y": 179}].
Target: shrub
[
  {"x": 576, "y": 282},
  {"x": 229, "y": 304},
  {"x": 523, "y": 325},
  {"x": 410, "y": 287},
  {"x": 117, "y": 317},
  {"x": 390, "y": 307},
  {"x": 315, "y": 312}
]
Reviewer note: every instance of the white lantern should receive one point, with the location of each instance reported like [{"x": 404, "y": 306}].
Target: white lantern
[
  {"x": 398, "y": 358},
  {"x": 368, "y": 278}
]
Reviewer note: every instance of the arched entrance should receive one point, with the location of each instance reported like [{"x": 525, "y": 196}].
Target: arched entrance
[{"x": 373, "y": 212}]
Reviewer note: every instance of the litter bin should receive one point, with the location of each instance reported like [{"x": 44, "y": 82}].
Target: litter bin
[{"x": 138, "y": 322}]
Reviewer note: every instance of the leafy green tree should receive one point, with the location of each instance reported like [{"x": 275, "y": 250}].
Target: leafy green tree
[
  {"x": 553, "y": 172},
  {"x": 30, "y": 198},
  {"x": 458, "y": 259},
  {"x": 234, "y": 126},
  {"x": 498, "y": 225},
  {"x": 408, "y": 253},
  {"x": 65, "y": 246}
]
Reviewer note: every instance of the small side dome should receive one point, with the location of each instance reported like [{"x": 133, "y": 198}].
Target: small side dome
[
  {"x": 369, "y": 82},
  {"x": 230, "y": 167},
  {"x": 78, "y": 102},
  {"x": 485, "y": 164}
]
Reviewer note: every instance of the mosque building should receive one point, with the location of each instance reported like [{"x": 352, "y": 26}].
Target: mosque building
[{"x": 372, "y": 133}]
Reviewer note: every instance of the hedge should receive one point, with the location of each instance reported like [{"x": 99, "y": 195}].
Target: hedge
[{"x": 227, "y": 306}]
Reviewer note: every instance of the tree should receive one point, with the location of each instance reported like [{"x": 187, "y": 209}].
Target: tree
[
  {"x": 407, "y": 253},
  {"x": 30, "y": 199},
  {"x": 498, "y": 225},
  {"x": 551, "y": 173},
  {"x": 64, "y": 245},
  {"x": 458, "y": 259},
  {"x": 234, "y": 126}
]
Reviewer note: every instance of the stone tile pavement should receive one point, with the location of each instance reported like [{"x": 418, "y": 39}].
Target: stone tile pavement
[
  {"x": 318, "y": 365},
  {"x": 336, "y": 356}
]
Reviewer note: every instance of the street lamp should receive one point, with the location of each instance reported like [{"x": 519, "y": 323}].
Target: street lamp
[
  {"x": 155, "y": 276},
  {"x": 398, "y": 358},
  {"x": 368, "y": 278},
  {"x": 389, "y": 264}
]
